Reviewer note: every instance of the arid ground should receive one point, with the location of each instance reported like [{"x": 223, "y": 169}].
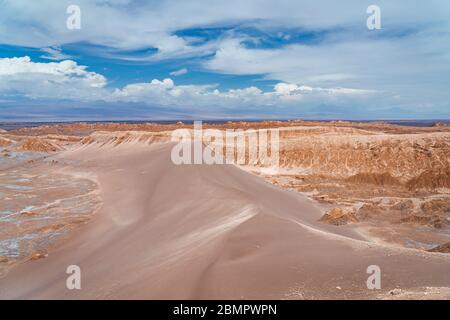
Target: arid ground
[{"x": 108, "y": 198}]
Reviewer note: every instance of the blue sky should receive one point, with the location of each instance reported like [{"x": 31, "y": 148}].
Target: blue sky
[{"x": 219, "y": 60}]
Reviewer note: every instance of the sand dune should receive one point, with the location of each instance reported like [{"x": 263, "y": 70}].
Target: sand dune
[{"x": 209, "y": 232}]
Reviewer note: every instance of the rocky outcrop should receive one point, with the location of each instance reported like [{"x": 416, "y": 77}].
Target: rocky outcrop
[
  {"x": 4, "y": 142},
  {"x": 434, "y": 206},
  {"x": 370, "y": 157},
  {"x": 431, "y": 179},
  {"x": 380, "y": 179},
  {"x": 434, "y": 220},
  {"x": 444, "y": 248},
  {"x": 38, "y": 145},
  {"x": 39, "y": 255},
  {"x": 339, "y": 216},
  {"x": 398, "y": 181},
  {"x": 114, "y": 139}
]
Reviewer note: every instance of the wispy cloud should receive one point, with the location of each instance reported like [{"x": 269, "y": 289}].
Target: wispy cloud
[
  {"x": 179, "y": 72},
  {"x": 54, "y": 53}
]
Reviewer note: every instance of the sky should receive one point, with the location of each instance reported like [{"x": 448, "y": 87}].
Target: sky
[{"x": 198, "y": 60}]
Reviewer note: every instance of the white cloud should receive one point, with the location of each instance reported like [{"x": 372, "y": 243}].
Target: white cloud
[
  {"x": 66, "y": 80},
  {"x": 285, "y": 88},
  {"x": 165, "y": 92},
  {"x": 396, "y": 67},
  {"x": 289, "y": 89},
  {"x": 65, "y": 70},
  {"x": 53, "y": 80},
  {"x": 129, "y": 25},
  {"x": 179, "y": 72},
  {"x": 54, "y": 53}
]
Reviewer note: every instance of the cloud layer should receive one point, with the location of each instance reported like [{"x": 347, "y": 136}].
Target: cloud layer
[
  {"x": 317, "y": 54},
  {"x": 68, "y": 80}
]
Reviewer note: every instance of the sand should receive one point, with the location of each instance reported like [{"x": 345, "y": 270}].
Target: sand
[{"x": 209, "y": 232}]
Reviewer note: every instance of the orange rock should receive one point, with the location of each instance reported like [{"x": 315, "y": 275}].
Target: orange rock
[
  {"x": 339, "y": 216},
  {"x": 39, "y": 145},
  {"x": 28, "y": 213},
  {"x": 374, "y": 178},
  {"x": 444, "y": 248},
  {"x": 5, "y": 142},
  {"x": 431, "y": 179},
  {"x": 38, "y": 255}
]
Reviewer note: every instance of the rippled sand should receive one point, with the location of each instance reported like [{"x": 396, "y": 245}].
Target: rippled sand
[{"x": 38, "y": 206}]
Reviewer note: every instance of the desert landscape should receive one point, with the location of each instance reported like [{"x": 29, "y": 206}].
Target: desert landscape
[{"x": 106, "y": 196}]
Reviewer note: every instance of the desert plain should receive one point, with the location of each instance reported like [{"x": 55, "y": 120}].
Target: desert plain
[{"x": 106, "y": 197}]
